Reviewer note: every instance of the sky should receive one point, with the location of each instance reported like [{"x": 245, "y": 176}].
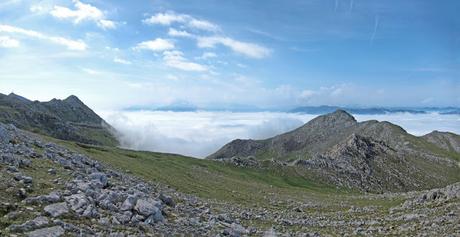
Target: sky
[{"x": 229, "y": 54}]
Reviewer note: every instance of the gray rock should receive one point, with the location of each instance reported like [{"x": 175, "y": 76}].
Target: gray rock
[
  {"x": 77, "y": 202},
  {"x": 124, "y": 217},
  {"x": 237, "y": 230},
  {"x": 50, "y": 198},
  {"x": 129, "y": 203},
  {"x": 90, "y": 211},
  {"x": 52, "y": 171},
  {"x": 99, "y": 178},
  {"x": 154, "y": 218},
  {"x": 12, "y": 169},
  {"x": 54, "y": 231},
  {"x": 65, "y": 163},
  {"x": 30, "y": 225},
  {"x": 168, "y": 200},
  {"x": 57, "y": 209},
  {"x": 23, "y": 178},
  {"x": 147, "y": 207},
  {"x": 22, "y": 193}
]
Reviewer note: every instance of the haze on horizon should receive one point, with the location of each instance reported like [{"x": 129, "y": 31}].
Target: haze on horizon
[{"x": 211, "y": 53}]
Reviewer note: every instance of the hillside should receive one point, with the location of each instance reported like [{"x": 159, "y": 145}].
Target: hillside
[
  {"x": 369, "y": 156},
  {"x": 61, "y": 188},
  {"x": 68, "y": 119}
]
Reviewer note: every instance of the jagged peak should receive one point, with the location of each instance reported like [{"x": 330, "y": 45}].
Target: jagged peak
[
  {"x": 72, "y": 99},
  {"x": 342, "y": 113},
  {"x": 17, "y": 97}
]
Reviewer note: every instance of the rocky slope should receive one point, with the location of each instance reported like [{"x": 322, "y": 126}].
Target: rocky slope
[
  {"x": 445, "y": 140},
  {"x": 68, "y": 119},
  {"x": 370, "y": 156},
  {"x": 51, "y": 190}
]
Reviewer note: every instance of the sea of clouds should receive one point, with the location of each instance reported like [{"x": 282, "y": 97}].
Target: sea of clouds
[{"x": 199, "y": 134}]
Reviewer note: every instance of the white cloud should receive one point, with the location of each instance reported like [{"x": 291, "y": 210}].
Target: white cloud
[
  {"x": 247, "y": 49},
  {"x": 176, "y": 59},
  {"x": 156, "y": 45},
  {"x": 83, "y": 12},
  {"x": 121, "y": 61},
  {"x": 179, "y": 33},
  {"x": 207, "y": 55},
  {"x": 8, "y": 42},
  {"x": 202, "y": 133},
  {"x": 107, "y": 24},
  {"x": 203, "y": 25},
  {"x": 165, "y": 18},
  {"x": 169, "y": 18},
  {"x": 69, "y": 43},
  {"x": 195, "y": 134}
]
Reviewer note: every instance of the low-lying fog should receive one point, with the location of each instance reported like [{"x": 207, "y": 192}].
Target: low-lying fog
[{"x": 199, "y": 134}]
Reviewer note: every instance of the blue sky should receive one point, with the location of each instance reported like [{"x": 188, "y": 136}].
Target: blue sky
[{"x": 267, "y": 54}]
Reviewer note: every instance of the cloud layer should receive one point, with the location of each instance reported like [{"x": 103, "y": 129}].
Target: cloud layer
[{"x": 199, "y": 134}]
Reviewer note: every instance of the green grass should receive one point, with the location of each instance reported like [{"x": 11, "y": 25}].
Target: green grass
[{"x": 206, "y": 178}]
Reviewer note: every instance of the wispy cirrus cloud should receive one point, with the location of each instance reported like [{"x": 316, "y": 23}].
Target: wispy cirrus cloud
[
  {"x": 122, "y": 61},
  {"x": 83, "y": 12},
  {"x": 176, "y": 59},
  {"x": 69, "y": 43},
  {"x": 168, "y": 18},
  {"x": 207, "y": 55},
  {"x": 248, "y": 49},
  {"x": 8, "y": 42}
]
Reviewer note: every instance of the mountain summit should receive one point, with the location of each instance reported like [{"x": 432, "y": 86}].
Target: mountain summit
[
  {"x": 68, "y": 119},
  {"x": 370, "y": 156}
]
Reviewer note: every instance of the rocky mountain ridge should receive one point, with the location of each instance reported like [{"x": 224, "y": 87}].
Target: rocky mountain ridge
[
  {"x": 370, "y": 156},
  {"x": 68, "y": 119}
]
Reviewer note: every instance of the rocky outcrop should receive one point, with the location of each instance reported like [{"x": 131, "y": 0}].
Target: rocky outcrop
[
  {"x": 68, "y": 119},
  {"x": 313, "y": 137}
]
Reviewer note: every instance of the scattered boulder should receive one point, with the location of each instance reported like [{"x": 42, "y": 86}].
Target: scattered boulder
[
  {"x": 53, "y": 197},
  {"x": 168, "y": 200},
  {"x": 129, "y": 203},
  {"x": 147, "y": 207},
  {"x": 30, "y": 225},
  {"x": 54, "y": 231},
  {"x": 56, "y": 210},
  {"x": 100, "y": 179},
  {"x": 23, "y": 178}
]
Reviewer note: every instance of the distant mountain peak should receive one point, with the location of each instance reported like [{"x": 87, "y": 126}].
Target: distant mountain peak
[
  {"x": 339, "y": 118},
  {"x": 342, "y": 115},
  {"x": 74, "y": 100},
  {"x": 17, "y": 97}
]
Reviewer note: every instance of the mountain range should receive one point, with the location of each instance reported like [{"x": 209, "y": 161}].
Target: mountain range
[
  {"x": 68, "y": 119},
  {"x": 321, "y": 179},
  {"x": 375, "y": 110}
]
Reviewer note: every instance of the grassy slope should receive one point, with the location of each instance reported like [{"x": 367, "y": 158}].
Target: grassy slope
[
  {"x": 276, "y": 188},
  {"x": 205, "y": 178}
]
